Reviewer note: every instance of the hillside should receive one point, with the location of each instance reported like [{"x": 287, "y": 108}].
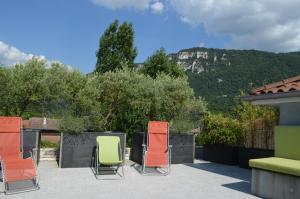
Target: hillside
[{"x": 218, "y": 74}]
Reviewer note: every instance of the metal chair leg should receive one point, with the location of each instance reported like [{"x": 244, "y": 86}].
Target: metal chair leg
[{"x": 123, "y": 171}]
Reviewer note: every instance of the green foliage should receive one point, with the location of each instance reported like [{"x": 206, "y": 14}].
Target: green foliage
[
  {"x": 127, "y": 99},
  {"x": 33, "y": 89},
  {"x": 182, "y": 125},
  {"x": 63, "y": 87},
  {"x": 218, "y": 129},
  {"x": 123, "y": 100},
  {"x": 160, "y": 63},
  {"x": 5, "y": 83},
  {"x": 190, "y": 117},
  {"x": 48, "y": 144},
  {"x": 258, "y": 124},
  {"x": 21, "y": 86},
  {"x": 71, "y": 124},
  {"x": 116, "y": 48}
]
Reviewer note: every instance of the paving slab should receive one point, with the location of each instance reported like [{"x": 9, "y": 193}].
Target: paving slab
[{"x": 199, "y": 180}]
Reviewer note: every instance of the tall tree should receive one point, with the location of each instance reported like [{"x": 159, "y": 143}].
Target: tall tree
[
  {"x": 21, "y": 86},
  {"x": 160, "y": 63},
  {"x": 116, "y": 48}
]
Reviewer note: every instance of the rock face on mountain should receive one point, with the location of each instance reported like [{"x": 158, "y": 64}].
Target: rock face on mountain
[{"x": 219, "y": 75}]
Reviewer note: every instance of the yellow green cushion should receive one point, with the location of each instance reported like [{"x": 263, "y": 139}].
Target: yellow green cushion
[
  {"x": 109, "y": 153},
  {"x": 281, "y": 165},
  {"x": 287, "y": 142}
]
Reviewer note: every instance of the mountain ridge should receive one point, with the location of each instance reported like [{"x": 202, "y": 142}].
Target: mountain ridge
[{"x": 219, "y": 75}]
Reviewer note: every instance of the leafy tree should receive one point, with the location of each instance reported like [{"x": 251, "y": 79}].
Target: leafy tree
[
  {"x": 63, "y": 85},
  {"x": 160, "y": 63},
  {"x": 127, "y": 99},
  {"x": 23, "y": 86},
  {"x": 6, "y": 101},
  {"x": 116, "y": 48}
]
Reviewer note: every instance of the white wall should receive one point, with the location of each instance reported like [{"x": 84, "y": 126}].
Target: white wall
[{"x": 290, "y": 114}]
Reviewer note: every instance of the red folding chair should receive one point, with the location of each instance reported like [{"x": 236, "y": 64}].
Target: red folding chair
[
  {"x": 157, "y": 152},
  {"x": 14, "y": 167}
]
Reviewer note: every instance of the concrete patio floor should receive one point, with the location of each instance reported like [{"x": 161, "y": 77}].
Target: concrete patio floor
[{"x": 199, "y": 180}]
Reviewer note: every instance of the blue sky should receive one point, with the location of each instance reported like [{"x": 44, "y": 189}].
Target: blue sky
[{"x": 69, "y": 31}]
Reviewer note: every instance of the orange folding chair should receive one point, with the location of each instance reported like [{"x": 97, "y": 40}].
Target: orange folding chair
[
  {"x": 14, "y": 167},
  {"x": 157, "y": 152}
]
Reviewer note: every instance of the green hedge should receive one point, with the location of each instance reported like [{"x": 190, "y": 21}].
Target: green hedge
[{"x": 218, "y": 129}]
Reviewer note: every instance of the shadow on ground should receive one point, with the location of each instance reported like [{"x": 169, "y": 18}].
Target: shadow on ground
[
  {"x": 231, "y": 171},
  {"x": 242, "y": 186}
]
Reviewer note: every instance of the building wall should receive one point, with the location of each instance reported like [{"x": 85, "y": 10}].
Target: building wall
[{"x": 290, "y": 114}]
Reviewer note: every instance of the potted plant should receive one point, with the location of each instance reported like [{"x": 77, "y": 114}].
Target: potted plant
[
  {"x": 78, "y": 141},
  {"x": 258, "y": 125},
  {"x": 221, "y": 137}
]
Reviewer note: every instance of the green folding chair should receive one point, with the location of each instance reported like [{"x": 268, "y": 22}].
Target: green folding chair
[{"x": 108, "y": 155}]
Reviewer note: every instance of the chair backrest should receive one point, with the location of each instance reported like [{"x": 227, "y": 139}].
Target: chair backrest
[
  {"x": 287, "y": 142},
  {"x": 109, "y": 149},
  {"x": 10, "y": 139},
  {"x": 158, "y": 136}
]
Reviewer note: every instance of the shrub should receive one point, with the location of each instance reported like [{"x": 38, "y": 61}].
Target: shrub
[
  {"x": 48, "y": 144},
  {"x": 218, "y": 129},
  {"x": 70, "y": 124},
  {"x": 257, "y": 124},
  {"x": 190, "y": 117}
]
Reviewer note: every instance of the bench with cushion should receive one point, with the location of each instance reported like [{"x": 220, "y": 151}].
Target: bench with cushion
[{"x": 279, "y": 176}]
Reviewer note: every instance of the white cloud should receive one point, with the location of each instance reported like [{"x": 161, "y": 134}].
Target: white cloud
[
  {"x": 117, "y": 4},
  {"x": 260, "y": 24},
  {"x": 10, "y": 55},
  {"x": 157, "y": 7},
  {"x": 201, "y": 44}
]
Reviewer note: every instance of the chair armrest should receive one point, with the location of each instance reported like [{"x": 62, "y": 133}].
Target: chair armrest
[
  {"x": 144, "y": 148},
  {"x": 169, "y": 148}
]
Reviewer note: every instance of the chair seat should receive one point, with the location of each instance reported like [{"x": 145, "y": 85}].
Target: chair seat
[
  {"x": 281, "y": 165},
  {"x": 156, "y": 159},
  {"x": 19, "y": 169},
  {"x": 112, "y": 163}
]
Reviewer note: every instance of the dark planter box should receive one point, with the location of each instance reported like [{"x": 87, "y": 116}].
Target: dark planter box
[
  {"x": 136, "y": 152},
  {"x": 221, "y": 154},
  {"x": 30, "y": 140},
  {"x": 245, "y": 154},
  {"x": 183, "y": 148},
  {"x": 199, "y": 152},
  {"x": 78, "y": 150}
]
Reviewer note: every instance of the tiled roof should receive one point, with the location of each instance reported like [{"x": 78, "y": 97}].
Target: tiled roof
[
  {"x": 287, "y": 85},
  {"x": 40, "y": 123}
]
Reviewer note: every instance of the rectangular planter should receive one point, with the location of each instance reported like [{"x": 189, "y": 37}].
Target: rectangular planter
[
  {"x": 221, "y": 154},
  {"x": 30, "y": 140},
  {"x": 199, "y": 152},
  {"x": 183, "y": 148},
  {"x": 245, "y": 154},
  {"x": 78, "y": 150}
]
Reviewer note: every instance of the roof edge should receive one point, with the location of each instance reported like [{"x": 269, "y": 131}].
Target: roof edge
[{"x": 271, "y": 96}]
